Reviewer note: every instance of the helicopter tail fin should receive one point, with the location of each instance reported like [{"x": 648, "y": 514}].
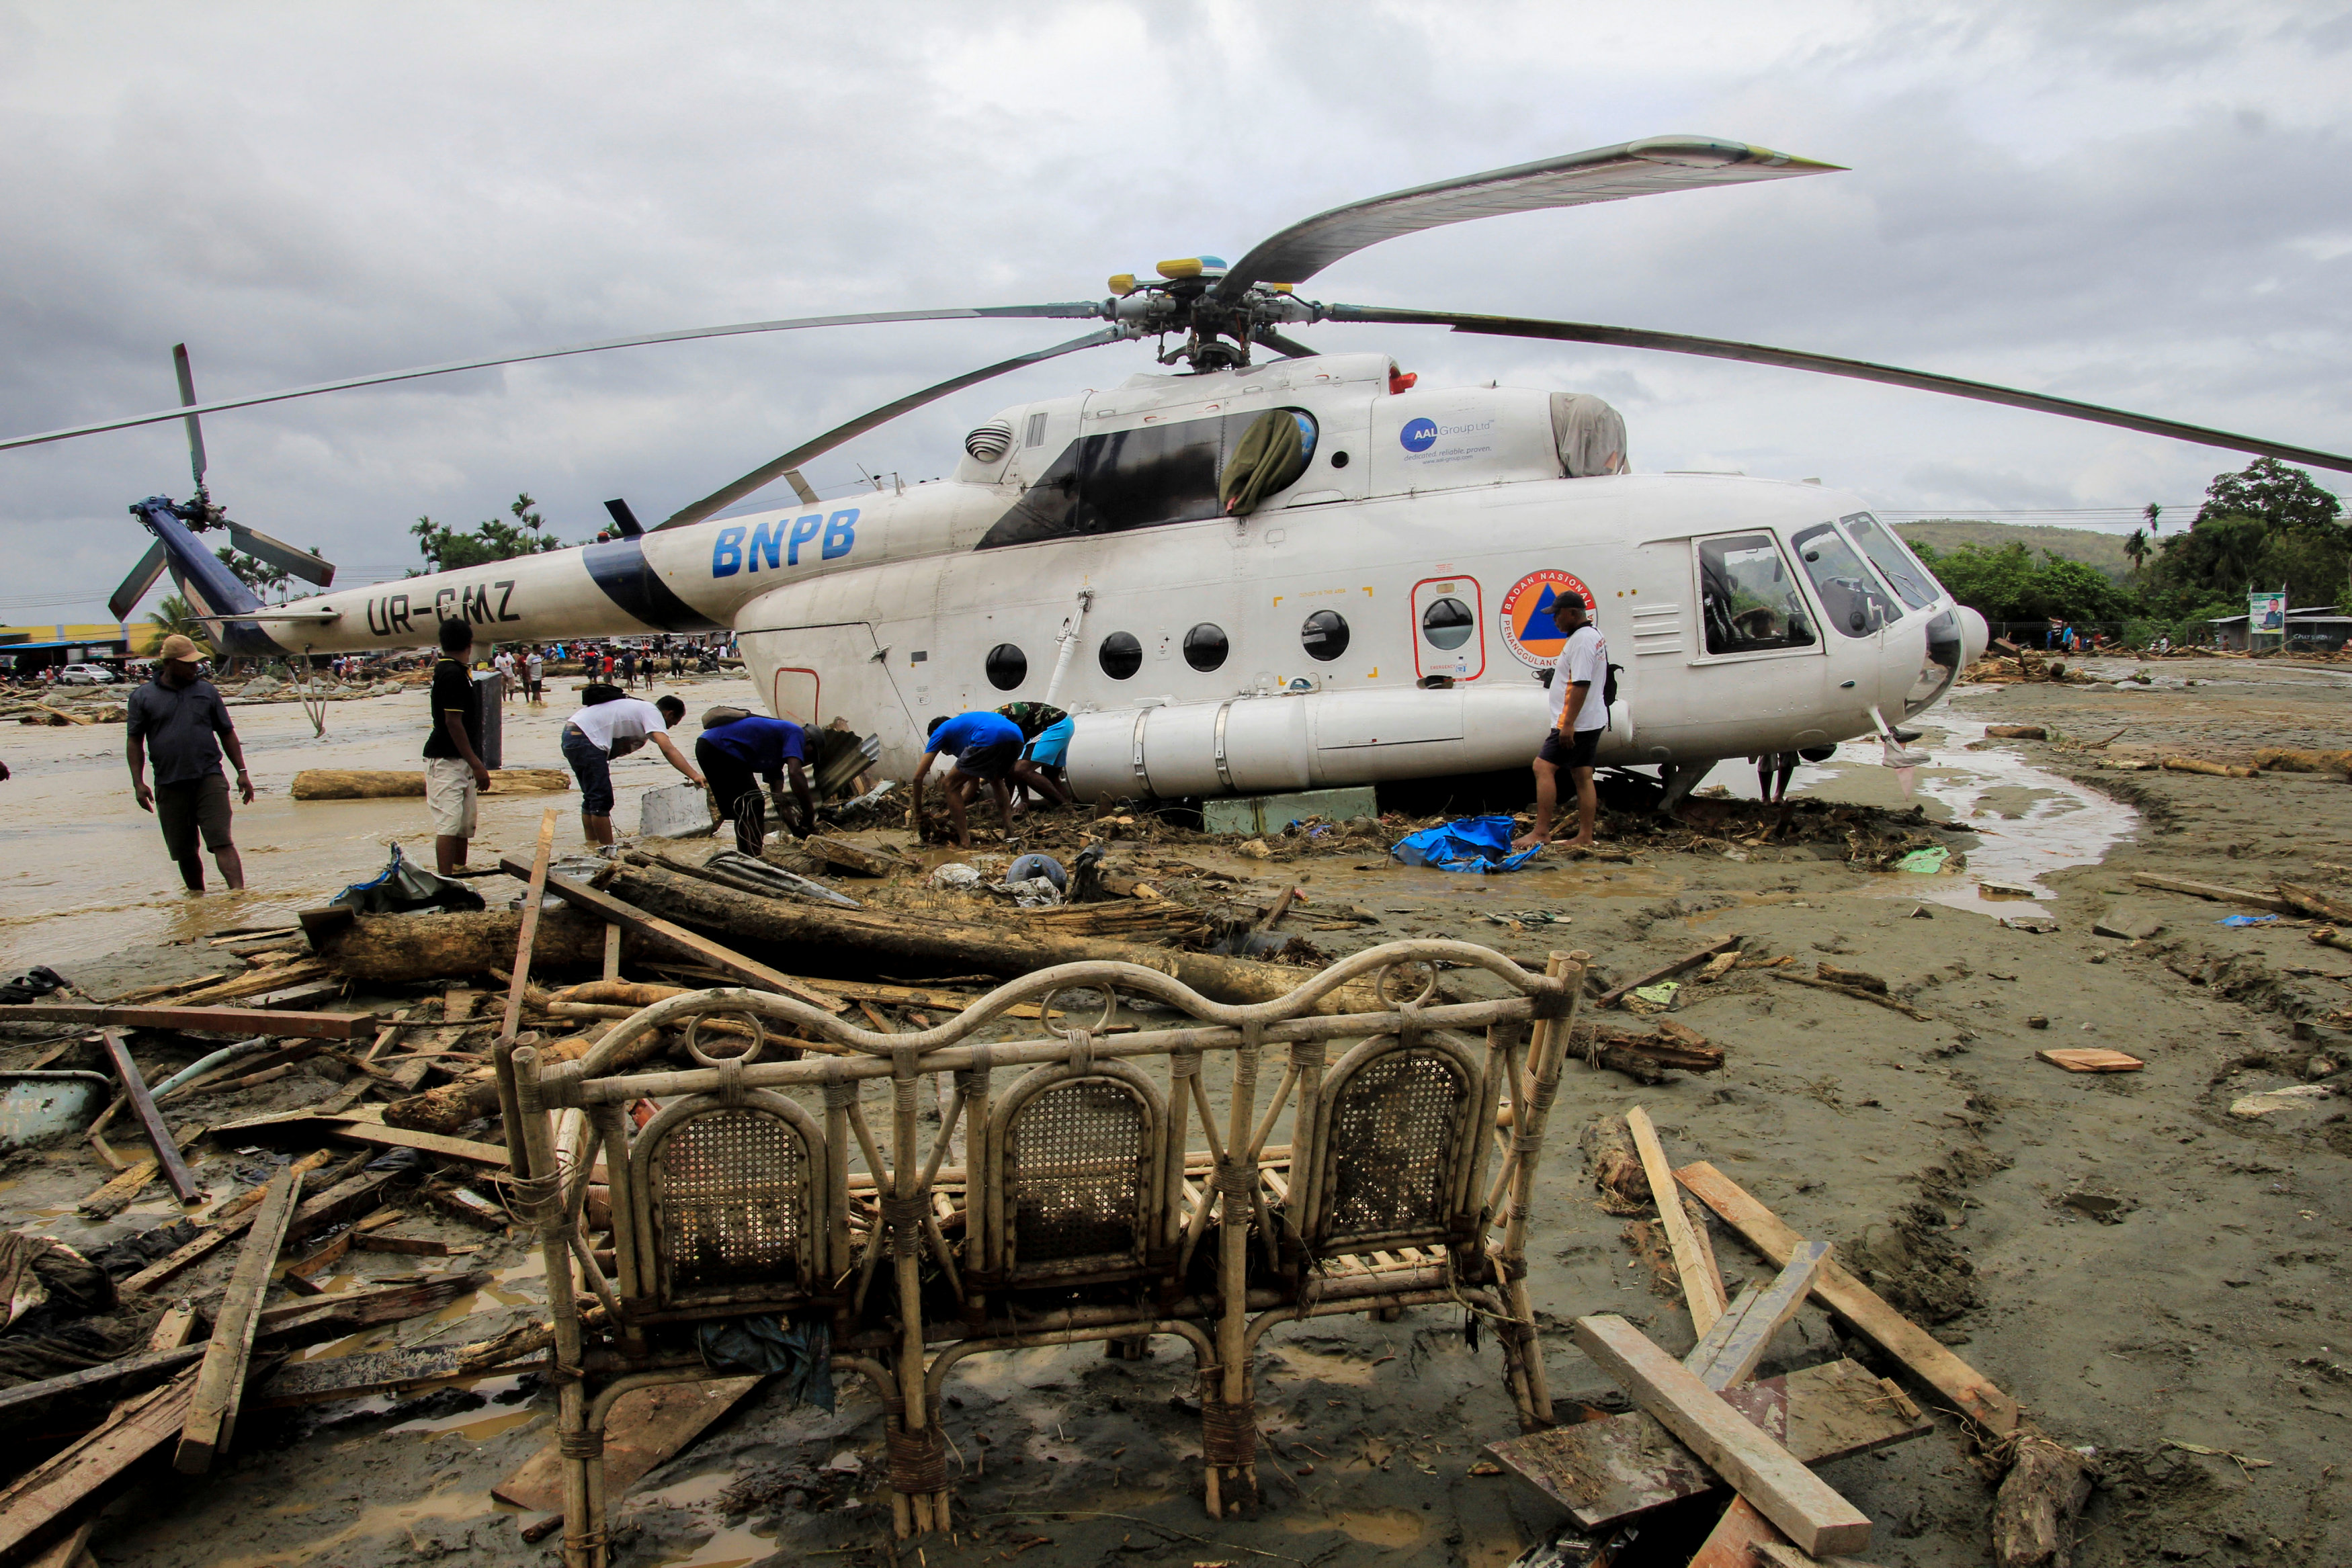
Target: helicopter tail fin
[{"x": 216, "y": 593}]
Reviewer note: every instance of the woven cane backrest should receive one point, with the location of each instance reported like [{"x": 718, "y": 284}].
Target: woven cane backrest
[
  {"x": 731, "y": 1201},
  {"x": 1078, "y": 1172},
  {"x": 1397, "y": 1121}
]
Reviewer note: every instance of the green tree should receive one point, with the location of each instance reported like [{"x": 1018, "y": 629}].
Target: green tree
[
  {"x": 253, "y": 571},
  {"x": 2285, "y": 499},
  {"x": 175, "y": 615},
  {"x": 447, "y": 549},
  {"x": 2136, "y": 547},
  {"x": 524, "y": 510},
  {"x": 2154, "y": 516}
]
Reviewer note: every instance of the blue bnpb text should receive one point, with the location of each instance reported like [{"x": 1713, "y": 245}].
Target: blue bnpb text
[{"x": 777, "y": 543}]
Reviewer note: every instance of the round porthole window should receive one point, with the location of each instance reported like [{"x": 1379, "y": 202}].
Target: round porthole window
[
  {"x": 1446, "y": 624},
  {"x": 1205, "y": 646},
  {"x": 1325, "y": 636},
  {"x": 1007, "y": 666},
  {"x": 1120, "y": 657}
]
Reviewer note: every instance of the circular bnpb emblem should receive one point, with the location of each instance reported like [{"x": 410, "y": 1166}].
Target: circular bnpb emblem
[
  {"x": 1418, "y": 434},
  {"x": 1531, "y": 629}
]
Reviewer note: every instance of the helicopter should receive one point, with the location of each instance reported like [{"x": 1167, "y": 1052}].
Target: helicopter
[{"x": 1257, "y": 568}]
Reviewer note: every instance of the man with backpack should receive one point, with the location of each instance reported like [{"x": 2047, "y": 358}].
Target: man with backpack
[{"x": 1579, "y": 711}]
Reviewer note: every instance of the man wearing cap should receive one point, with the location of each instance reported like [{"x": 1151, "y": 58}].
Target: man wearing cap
[{"x": 178, "y": 717}]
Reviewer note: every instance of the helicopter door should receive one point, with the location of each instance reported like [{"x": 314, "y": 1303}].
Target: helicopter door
[
  {"x": 796, "y": 696},
  {"x": 1759, "y": 676},
  {"x": 1449, "y": 620}
]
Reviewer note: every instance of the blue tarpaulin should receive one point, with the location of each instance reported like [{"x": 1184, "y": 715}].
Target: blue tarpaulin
[{"x": 1480, "y": 844}]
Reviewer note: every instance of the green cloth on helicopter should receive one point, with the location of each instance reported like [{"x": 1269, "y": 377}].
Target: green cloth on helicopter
[{"x": 1270, "y": 456}]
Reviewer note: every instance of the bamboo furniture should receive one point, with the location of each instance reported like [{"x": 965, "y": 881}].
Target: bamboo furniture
[{"x": 1111, "y": 1187}]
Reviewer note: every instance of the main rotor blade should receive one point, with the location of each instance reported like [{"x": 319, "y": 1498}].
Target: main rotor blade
[
  {"x": 766, "y": 472},
  {"x": 1830, "y": 364},
  {"x": 1084, "y": 310},
  {"x": 1605, "y": 174},
  {"x": 283, "y": 556},
  {"x": 188, "y": 400},
  {"x": 134, "y": 588}
]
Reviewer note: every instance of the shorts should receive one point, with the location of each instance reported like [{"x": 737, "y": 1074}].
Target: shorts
[
  {"x": 989, "y": 762},
  {"x": 1576, "y": 753},
  {"x": 1052, "y": 743},
  {"x": 198, "y": 806},
  {"x": 594, "y": 768},
  {"x": 450, "y": 797}
]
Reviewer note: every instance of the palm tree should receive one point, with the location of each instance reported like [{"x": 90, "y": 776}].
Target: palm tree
[
  {"x": 176, "y": 615},
  {"x": 524, "y": 514},
  {"x": 2152, "y": 512},
  {"x": 2135, "y": 547}
]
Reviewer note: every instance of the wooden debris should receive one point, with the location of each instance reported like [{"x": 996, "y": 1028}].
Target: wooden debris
[
  {"x": 326, "y": 1317},
  {"x": 1801, "y": 1503},
  {"x": 370, "y": 784},
  {"x": 1905, "y": 1008},
  {"x": 122, "y": 1369},
  {"x": 1617, "y": 1172},
  {"x": 1722, "y": 964},
  {"x": 1646, "y": 1058},
  {"x": 142, "y": 1106},
  {"x": 2215, "y": 769},
  {"x": 1855, "y": 980},
  {"x": 2213, "y": 891},
  {"x": 2016, "y": 732},
  {"x": 389, "y": 1372},
  {"x": 1610, "y": 998},
  {"x": 1608, "y": 1470},
  {"x": 115, "y": 1197},
  {"x": 245, "y": 1022},
  {"x": 2283, "y": 760},
  {"x": 1739, "y": 1537},
  {"x": 2033, "y": 1515},
  {"x": 2312, "y": 902},
  {"x": 407, "y": 949},
  {"x": 1721, "y": 1360},
  {"x": 647, "y": 1426},
  {"x": 845, "y": 856},
  {"x": 2091, "y": 1059},
  {"x": 1927, "y": 1358},
  {"x": 220, "y": 1382},
  {"x": 85, "y": 1467},
  {"x": 1702, "y": 1286},
  {"x": 1780, "y": 1555},
  {"x": 2336, "y": 939},
  {"x": 466, "y": 1149}
]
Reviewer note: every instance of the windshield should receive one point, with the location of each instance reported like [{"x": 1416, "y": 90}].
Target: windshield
[
  {"x": 1901, "y": 569},
  {"x": 1852, "y": 600}
]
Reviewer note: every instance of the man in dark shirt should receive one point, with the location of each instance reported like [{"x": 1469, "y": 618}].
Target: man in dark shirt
[
  {"x": 454, "y": 773},
  {"x": 742, "y": 747},
  {"x": 178, "y": 717}
]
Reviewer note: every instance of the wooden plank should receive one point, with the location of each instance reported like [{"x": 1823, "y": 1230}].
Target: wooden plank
[
  {"x": 2312, "y": 902},
  {"x": 1780, "y": 1555},
  {"x": 2214, "y": 891},
  {"x": 1734, "y": 1359},
  {"x": 1799, "y": 1502},
  {"x": 1702, "y": 1286},
  {"x": 1702, "y": 1355},
  {"x": 1738, "y": 1537},
  {"x": 1611, "y": 998},
  {"x": 465, "y": 1149},
  {"x": 84, "y": 1466},
  {"x": 228, "y": 1222},
  {"x": 142, "y": 1106},
  {"x": 519, "y": 985},
  {"x": 1974, "y": 1394},
  {"x": 220, "y": 1382},
  {"x": 385, "y": 1372},
  {"x": 611, "y": 951},
  {"x": 69, "y": 1547},
  {"x": 201, "y": 1020},
  {"x": 411, "y": 1245},
  {"x": 1611, "y": 1469},
  {"x": 115, "y": 1197},
  {"x": 122, "y": 1369},
  {"x": 604, "y": 906},
  {"x": 362, "y": 1308},
  {"x": 2090, "y": 1058},
  {"x": 647, "y": 1426}
]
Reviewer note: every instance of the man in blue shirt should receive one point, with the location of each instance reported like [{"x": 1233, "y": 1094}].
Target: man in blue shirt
[
  {"x": 737, "y": 751},
  {"x": 985, "y": 745},
  {"x": 178, "y": 722}
]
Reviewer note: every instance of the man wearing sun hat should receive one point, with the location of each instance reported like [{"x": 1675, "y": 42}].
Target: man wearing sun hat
[{"x": 178, "y": 721}]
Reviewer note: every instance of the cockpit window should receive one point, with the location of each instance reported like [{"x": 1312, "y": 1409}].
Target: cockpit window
[
  {"x": 1852, "y": 600},
  {"x": 1749, "y": 601},
  {"x": 1901, "y": 571}
]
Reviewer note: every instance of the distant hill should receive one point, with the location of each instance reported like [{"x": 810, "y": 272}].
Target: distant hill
[{"x": 2104, "y": 551}]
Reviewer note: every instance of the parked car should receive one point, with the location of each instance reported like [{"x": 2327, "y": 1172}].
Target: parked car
[{"x": 86, "y": 675}]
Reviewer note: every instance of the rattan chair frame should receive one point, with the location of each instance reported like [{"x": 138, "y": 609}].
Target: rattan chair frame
[{"x": 1473, "y": 1255}]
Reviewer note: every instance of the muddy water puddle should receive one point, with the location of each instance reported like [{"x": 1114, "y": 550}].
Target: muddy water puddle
[{"x": 82, "y": 869}]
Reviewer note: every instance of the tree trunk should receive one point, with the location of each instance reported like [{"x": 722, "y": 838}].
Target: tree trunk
[
  {"x": 404, "y": 948},
  {"x": 870, "y": 938},
  {"x": 373, "y": 784}
]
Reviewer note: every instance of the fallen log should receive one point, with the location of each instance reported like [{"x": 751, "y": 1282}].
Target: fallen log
[
  {"x": 373, "y": 784},
  {"x": 1860, "y": 979},
  {"x": 1665, "y": 972},
  {"x": 1855, "y": 991},
  {"x": 2336, "y": 939},
  {"x": 1646, "y": 1058},
  {"x": 247, "y": 1021},
  {"x": 402, "y": 948},
  {"x": 2281, "y": 759},
  {"x": 866, "y": 936},
  {"x": 452, "y": 1105},
  {"x": 2214, "y": 769}
]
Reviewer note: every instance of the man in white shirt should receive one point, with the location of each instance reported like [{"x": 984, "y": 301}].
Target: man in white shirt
[
  {"x": 1579, "y": 711},
  {"x": 614, "y": 728},
  {"x": 534, "y": 667}
]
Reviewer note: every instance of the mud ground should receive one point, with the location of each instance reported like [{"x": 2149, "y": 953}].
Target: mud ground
[{"x": 2136, "y": 1265}]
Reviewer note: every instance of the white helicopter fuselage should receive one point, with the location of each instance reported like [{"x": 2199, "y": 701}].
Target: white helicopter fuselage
[{"x": 1384, "y": 616}]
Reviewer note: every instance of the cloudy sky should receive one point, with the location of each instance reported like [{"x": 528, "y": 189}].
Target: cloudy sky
[{"x": 2147, "y": 205}]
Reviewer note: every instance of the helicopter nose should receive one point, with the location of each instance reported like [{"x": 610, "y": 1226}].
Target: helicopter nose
[{"x": 1975, "y": 635}]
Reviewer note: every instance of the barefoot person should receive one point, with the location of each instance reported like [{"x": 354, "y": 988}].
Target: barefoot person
[
  {"x": 1578, "y": 713},
  {"x": 178, "y": 718},
  {"x": 612, "y": 725},
  {"x": 735, "y": 750},
  {"x": 985, "y": 745},
  {"x": 454, "y": 774}
]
